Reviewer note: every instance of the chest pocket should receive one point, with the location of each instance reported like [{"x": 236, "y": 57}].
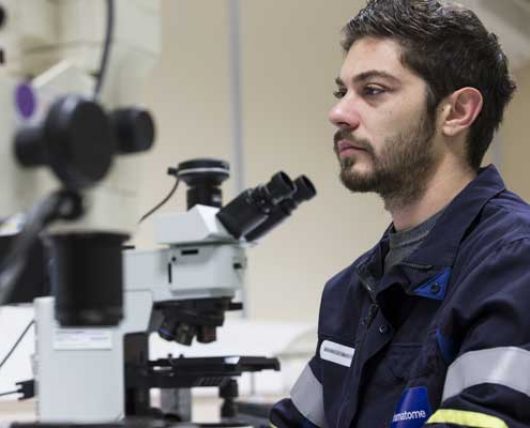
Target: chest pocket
[
  {"x": 386, "y": 378},
  {"x": 395, "y": 367}
]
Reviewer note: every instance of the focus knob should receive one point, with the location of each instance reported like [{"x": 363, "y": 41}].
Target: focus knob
[{"x": 134, "y": 129}]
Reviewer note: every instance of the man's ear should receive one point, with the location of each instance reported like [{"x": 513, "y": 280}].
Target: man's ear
[{"x": 460, "y": 110}]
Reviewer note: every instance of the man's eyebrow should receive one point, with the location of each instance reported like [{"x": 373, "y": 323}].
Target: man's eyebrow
[
  {"x": 366, "y": 75},
  {"x": 339, "y": 82}
]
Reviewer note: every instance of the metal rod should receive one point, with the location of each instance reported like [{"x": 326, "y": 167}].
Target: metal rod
[{"x": 236, "y": 95}]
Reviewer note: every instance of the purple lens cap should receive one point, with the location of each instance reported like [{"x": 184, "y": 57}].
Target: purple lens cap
[{"x": 25, "y": 100}]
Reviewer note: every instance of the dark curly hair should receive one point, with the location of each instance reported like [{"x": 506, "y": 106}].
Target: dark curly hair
[{"x": 448, "y": 46}]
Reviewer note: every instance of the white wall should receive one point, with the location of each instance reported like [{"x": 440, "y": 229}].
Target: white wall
[{"x": 515, "y": 137}]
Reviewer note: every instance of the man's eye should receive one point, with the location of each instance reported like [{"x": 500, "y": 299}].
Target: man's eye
[
  {"x": 373, "y": 90},
  {"x": 339, "y": 93}
]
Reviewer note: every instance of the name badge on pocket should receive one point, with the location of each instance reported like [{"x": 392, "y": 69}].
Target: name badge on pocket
[{"x": 336, "y": 353}]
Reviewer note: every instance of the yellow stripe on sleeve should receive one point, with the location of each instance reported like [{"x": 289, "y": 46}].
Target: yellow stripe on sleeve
[{"x": 467, "y": 419}]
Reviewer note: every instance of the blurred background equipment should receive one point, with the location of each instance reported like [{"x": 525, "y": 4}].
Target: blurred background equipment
[{"x": 69, "y": 91}]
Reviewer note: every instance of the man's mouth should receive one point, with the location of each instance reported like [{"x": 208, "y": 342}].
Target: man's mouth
[{"x": 345, "y": 148}]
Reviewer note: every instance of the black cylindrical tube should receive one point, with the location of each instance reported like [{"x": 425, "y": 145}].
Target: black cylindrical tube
[
  {"x": 204, "y": 177},
  {"x": 304, "y": 191},
  {"x": 241, "y": 215},
  {"x": 29, "y": 151},
  {"x": 87, "y": 278},
  {"x": 253, "y": 206},
  {"x": 274, "y": 219},
  {"x": 204, "y": 194}
]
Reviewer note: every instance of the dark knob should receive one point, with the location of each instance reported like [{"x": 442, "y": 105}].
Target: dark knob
[
  {"x": 206, "y": 334},
  {"x": 134, "y": 129},
  {"x": 229, "y": 391},
  {"x": 75, "y": 139}
]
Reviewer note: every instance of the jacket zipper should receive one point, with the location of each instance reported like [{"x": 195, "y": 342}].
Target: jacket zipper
[
  {"x": 369, "y": 288},
  {"x": 372, "y": 312}
]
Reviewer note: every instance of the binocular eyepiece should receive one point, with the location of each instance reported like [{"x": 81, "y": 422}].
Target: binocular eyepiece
[
  {"x": 304, "y": 192},
  {"x": 253, "y": 206},
  {"x": 255, "y": 211}
]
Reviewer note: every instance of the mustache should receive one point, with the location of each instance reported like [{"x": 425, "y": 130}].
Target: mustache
[{"x": 346, "y": 134}]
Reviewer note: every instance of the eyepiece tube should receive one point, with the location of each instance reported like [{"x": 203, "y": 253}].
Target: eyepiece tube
[
  {"x": 253, "y": 206},
  {"x": 305, "y": 190},
  {"x": 279, "y": 187}
]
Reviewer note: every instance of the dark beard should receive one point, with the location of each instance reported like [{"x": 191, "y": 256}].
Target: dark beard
[{"x": 402, "y": 170}]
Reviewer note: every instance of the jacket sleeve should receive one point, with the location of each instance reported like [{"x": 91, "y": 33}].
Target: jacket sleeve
[
  {"x": 488, "y": 377},
  {"x": 305, "y": 407}
]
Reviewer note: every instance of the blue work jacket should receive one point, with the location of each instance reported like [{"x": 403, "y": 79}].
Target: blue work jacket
[{"x": 440, "y": 340}]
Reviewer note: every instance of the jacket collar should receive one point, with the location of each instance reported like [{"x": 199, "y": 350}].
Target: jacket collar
[{"x": 437, "y": 253}]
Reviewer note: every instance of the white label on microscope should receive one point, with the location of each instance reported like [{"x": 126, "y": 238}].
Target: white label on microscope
[{"x": 71, "y": 339}]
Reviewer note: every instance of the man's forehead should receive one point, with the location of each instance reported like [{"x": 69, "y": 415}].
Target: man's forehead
[{"x": 370, "y": 54}]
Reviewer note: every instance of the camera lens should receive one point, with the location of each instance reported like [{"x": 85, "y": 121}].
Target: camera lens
[{"x": 203, "y": 177}]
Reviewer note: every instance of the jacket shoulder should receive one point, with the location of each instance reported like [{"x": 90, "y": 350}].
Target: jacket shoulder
[
  {"x": 503, "y": 220},
  {"x": 344, "y": 279}
]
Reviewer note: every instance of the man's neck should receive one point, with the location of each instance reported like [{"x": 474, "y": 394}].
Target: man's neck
[{"x": 448, "y": 181}]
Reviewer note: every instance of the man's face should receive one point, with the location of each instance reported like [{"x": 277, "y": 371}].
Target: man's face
[{"x": 385, "y": 137}]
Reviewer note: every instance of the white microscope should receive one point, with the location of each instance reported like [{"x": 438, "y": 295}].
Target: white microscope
[
  {"x": 70, "y": 71},
  {"x": 68, "y": 80},
  {"x": 181, "y": 290}
]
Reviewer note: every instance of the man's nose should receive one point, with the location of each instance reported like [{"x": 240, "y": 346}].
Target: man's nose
[{"x": 344, "y": 114}]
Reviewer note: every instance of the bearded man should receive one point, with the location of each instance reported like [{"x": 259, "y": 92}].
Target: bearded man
[{"x": 431, "y": 327}]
